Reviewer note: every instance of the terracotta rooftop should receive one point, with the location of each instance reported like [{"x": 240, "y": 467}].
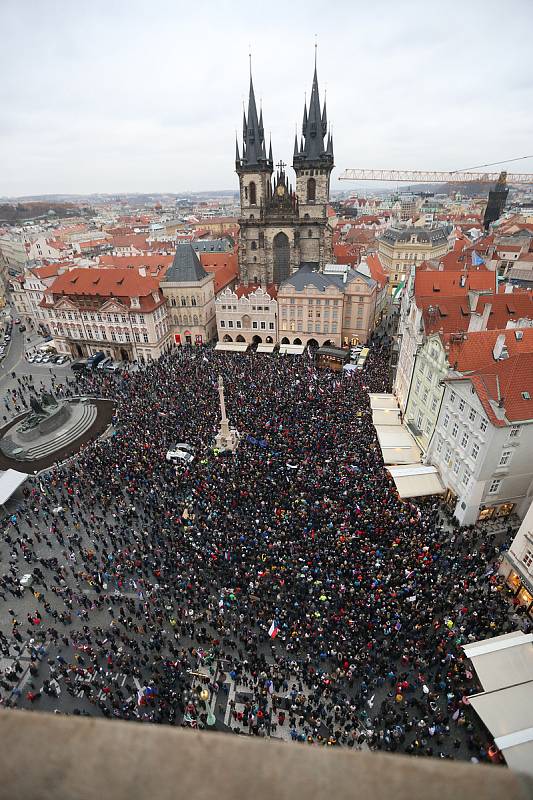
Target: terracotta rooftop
[
  {"x": 509, "y": 384},
  {"x": 431, "y": 283},
  {"x": 452, "y": 314},
  {"x": 474, "y": 351},
  {"x": 104, "y": 283}
]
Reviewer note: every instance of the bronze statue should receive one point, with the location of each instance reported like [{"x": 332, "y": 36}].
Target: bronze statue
[{"x": 36, "y": 406}]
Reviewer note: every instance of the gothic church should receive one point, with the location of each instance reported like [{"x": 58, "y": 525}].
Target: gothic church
[{"x": 281, "y": 228}]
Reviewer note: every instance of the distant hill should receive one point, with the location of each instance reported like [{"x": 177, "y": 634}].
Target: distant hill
[{"x": 21, "y": 212}]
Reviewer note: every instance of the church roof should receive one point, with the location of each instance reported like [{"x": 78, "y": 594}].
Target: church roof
[{"x": 186, "y": 266}]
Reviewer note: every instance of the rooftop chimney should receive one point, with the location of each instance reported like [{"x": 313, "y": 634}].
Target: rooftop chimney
[
  {"x": 473, "y": 297},
  {"x": 485, "y": 316},
  {"x": 500, "y": 351},
  {"x": 142, "y": 272}
]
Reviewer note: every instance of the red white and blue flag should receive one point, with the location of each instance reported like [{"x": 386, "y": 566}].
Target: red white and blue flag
[{"x": 273, "y": 630}]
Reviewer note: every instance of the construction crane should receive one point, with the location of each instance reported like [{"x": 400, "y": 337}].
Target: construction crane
[
  {"x": 497, "y": 195},
  {"x": 419, "y": 176}
]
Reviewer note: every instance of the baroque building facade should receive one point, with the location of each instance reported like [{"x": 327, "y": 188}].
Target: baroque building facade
[{"x": 282, "y": 227}]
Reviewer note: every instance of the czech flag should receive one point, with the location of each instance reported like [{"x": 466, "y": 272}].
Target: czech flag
[{"x": 273, "y": 630}]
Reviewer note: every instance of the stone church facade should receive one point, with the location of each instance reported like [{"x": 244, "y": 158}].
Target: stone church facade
[{"x": 282, "y": 227}]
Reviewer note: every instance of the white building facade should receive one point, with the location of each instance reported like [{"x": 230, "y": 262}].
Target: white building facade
[
  {"x": 247, "y": 316},
  {"x": 486, "y": 467},
  {"x": 517, "y": 563}
]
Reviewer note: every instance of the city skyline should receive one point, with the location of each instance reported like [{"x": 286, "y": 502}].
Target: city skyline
[{"x": 96, "y": 100}]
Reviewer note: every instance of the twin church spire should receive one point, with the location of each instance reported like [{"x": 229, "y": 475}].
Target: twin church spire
[{"x": 312, "y": 151}]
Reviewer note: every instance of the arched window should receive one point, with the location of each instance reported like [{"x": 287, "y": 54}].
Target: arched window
[
  {"x": 193, "y": 301},
  {"x": 255, "y": 259},
  {"x": 306, "y": 216},
  {"x": 254, "y": 245},
  {"x": 183, "y": 301},
  {"x": 253, "y": 196},
  {"x": 173, "y": 301},
  {"x": 195, "y": 319},
  {"x": 311, "y": 190},
  {"x": 309, "y": 234}
]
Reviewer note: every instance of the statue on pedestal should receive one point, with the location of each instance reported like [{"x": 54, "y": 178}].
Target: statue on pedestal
[{"x": 227, "y": 439}]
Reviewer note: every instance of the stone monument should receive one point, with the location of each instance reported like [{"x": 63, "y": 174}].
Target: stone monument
[
  {"x": 50, "y": 426},
  {"x": 227, "y": 439}
]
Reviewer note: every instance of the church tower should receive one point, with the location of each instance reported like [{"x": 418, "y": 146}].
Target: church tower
[
  {"x": 281, "y": 228},
  {"x": 255, "y": 172},
  {"x": 313, "y": 164}
]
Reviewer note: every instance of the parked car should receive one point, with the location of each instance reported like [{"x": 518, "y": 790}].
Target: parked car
[
  {"x": 104, "y": 362},
  {"x": 113, "y": 366},
  {"x": 181, "y": 452},
  {"x": 22, "y": 328},
  {"x": 54, "y": 359},
  {"x": 30, "y": 358},
  {"x": 38, "y": 358},
  {"x": 62, "y": 360}
]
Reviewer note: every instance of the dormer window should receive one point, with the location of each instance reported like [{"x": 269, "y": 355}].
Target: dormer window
[{"x": 135, "y": 302}]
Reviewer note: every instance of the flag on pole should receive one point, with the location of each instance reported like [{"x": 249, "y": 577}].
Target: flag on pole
[
  {"x": 273, "y": 630},
  {"x": 476, "y": 260}
]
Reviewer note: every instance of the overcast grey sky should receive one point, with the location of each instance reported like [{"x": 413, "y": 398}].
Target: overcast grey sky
[{"x": 124, "y": 95}]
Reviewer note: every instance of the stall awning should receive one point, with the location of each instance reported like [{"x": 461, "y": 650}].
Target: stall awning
[
  {"x": 386, "y": 416},
  {"x": 502, "y": 660},
  {"x": 235, "y": 347},
  {"x": 397, "y": 445},
  {"x": 291, "y": 349},
  {"x": 504, "y": 665},
  {"x": 265, "y": 348},
  {"x": 9, "y": 483},
  {"x": 416, "y": 480},
  {"x": 382, "y": 401}
]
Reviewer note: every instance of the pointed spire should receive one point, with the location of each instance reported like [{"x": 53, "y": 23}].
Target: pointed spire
[
  {"x": 270, "y": 152},
  {"x": 253, "y": 145},
  {"x": 237, "y": 154},
  {"x": 315, "y": 126},
  {"x": 295, "y": 145},
  {"x": 304, "y": 123}
]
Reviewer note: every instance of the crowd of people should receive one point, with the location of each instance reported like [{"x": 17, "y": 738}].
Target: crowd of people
[{"x": 289, "y": 568}]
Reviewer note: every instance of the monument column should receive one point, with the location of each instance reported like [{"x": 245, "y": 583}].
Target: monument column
[{"x": 227, "y": 438}]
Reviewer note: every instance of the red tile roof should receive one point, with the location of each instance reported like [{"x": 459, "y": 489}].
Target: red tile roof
[
  {"x": 452, "y": 314},
  {"x": 224, "y": 276},
  {"x": 431, "y": 283},
  {"x": 474, "y": 351},
  {"x": 105, "y": 283},
  {"x": 376, "y": 269},
  {"x": 49, "y": 270},
  {"x": 137, "y": 240},
  {"x": 151, "y": 261},
  {"x": 508, "y": 383}
]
